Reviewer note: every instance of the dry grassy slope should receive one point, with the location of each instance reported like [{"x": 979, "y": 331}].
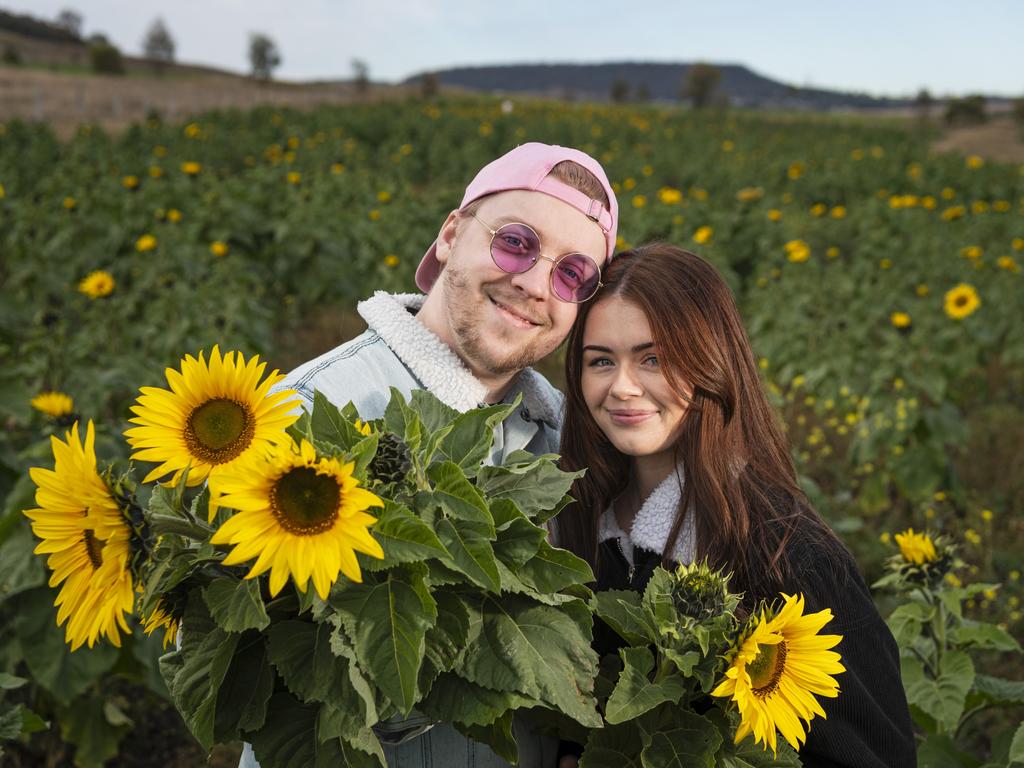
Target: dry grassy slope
[{"x": 1000, "y": 139}]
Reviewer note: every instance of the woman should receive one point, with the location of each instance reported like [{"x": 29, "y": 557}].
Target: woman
[{"x": 686, "y": 461}]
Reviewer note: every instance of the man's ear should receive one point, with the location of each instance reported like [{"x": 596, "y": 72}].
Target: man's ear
[{"x": 446, "y": 237}]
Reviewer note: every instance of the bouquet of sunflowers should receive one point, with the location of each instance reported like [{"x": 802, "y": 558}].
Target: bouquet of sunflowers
[{"x": 316, "y": 575}]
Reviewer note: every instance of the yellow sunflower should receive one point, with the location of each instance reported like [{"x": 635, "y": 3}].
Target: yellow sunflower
[
  {"x": 917, "y": 548},
  {"x": 213, "y": 414},
  {"x": 85, "y": 535},
  {"x": 160, "y": 617},
  {"x": 961, "y": 301},
  {"x": 299, "y": 515},
  {"x": 54, "y": 404},
  {"x": 777, "y": 669},
  {"x": 97, "y": 284}
]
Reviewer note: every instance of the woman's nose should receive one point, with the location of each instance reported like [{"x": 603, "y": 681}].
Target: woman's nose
[{"x": 626, "y": 384}]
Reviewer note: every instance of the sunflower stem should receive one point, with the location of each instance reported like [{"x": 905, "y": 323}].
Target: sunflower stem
[{"x": 180, "y": 526}]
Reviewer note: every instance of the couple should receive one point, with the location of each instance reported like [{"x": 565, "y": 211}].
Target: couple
[{"x": 664, "y": 407}]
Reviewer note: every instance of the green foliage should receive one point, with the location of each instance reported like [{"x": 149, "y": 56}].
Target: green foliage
[{"x": 105, "y": 59}]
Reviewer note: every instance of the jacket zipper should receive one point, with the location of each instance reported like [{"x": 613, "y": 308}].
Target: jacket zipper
[{"x": 632, "y": 567}]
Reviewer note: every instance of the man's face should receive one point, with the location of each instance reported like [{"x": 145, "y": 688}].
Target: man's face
[{"x": 497, "y": 322}]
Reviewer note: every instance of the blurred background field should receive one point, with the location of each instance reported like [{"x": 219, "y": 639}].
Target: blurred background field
[{"x": 876, "y": 260}]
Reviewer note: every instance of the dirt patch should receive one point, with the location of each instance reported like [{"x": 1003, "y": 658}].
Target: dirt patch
[{"x": 1000, "y": 139}]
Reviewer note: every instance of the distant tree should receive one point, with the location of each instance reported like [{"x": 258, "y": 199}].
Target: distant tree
[
  {"x": 11, "y": 55},
  {"x": 70, "y": 21},
  {"x": 970, "y": 110},
  {"x": 158, "y": 45},
  {"x": 263, "y": 56},
  {"x": 620, "y": 91},
  {"x": 1018, "y": 113},
  {"x": 429, "y": 85},
  {"x": 643, "y": 93},
  {"x": 361, "y": 76},
  {"x": 701, "y": 82},
  {"x": 105, "y": 59},
  {"x": 923, "y": 104}
]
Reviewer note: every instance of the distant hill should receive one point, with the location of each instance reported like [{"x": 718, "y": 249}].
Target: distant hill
[{"x": 739, "y": 86}]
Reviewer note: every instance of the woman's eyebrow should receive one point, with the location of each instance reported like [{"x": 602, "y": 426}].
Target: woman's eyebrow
[{"x": 637, "y": 348}]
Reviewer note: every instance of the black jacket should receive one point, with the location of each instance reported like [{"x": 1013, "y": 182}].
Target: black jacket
[{"x": 868, "y": 725}]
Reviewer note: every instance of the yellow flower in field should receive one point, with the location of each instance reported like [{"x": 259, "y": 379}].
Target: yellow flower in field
[
  {"x": 948, "y": 193},
  {"x": 797, "y": 251},
  {"x": 83, "y": 531},
  {"x": 145, "y": 243},
  {"x": 774, "y": 214},
  {"x": 877, "y": 152},
  {"x": 219, "y": 248},
  {"x": 647, "y": 170},
  {"x": 406, "y": 149},
  {"x": 703, "y": 234},
  {"x": 986, "y": 515},
  {"x": 818, "y": 209},
  {"x": 979, "y": 206},
  {"x": 1001, "y": 206},
  {"x": 337, "y": 168},
  {"x": 3, "y": 192},
  {"x": 669, "y": 195},
  {"x": 160, "y": 617},
  {"x": 750, "y": 194},
  {"x": 698, "y": 193},
  {"x": 374, "y": 215},
  {"x": 213, "y": 415},
  {"x": 173, "y": 215},
  {"x": 914, "y": 170},
  {"x": 486, "y": 129},
  {"x": 832, "y": 252},
  {"x": 954, "y": 213},
  {"x": 293, "y": 142},
  {"x": 620, "y": 243},
  {"x": 159, "y": 150},
  {"x": 922, "y": 290},
  {"x": 916, "y": 548},
  {"x": 885, "y": 537},
  {"x": 728, "y": 146},
  {"x": 383, "y": 196},
  {"x": 391, "y": 261},
  {"x": 70, "y": 203},
  {"x": 971, "y": 252},
  {"x": 55, "y": 404},
  {"x": 628, "y": 184},
  {"x": 155, "y": 171},
  {"x": 639, "y": 201},
  {"x": 900, "y": 319},
  {"x": 928, "y": 202},
  {"x": 191, "y": 168},
  {"x": 97, "y": 284},
  {"x": 795, "y": 171},
  {"x": 294, "y": 177},
  {"x": 193, "y": 131},
  {"x": 301, "y": 516},
  {"x": 885, "y": 264},
  {"x": 130, "y": 182},
  {"x": 838, "y": 212},
  {"x": 961, "y": 301},
  {"x": 1017, "y": 244},
  {"x": 974, "y": 162},
  {"x": 1007, "y": 263},
  {"x": 776, "y": 670}
]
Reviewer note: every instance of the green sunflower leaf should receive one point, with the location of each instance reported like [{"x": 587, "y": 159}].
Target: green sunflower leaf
[
  {"x": 330, "y": 425},
  {"x": 453, "y": 699},
  {"x": 535, "y": 487},
  {"x": 553, "y": 569},
  {"x": 616, "y": 746},
  {"x": 468, "y": 444},
  {"x": 691, "y": 746},
  {"x": 404, "y": 536},
  {"x": 635, "y": 694},
  {"x": 246, "y": 689},
  {"x": 470, "y": 553},
  {"x": 457, "y": 496},
  {"x": 621, "y": 610},
  {"x": 235, "y": 604}
]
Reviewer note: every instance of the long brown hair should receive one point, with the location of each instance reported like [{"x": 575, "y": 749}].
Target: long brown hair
[{"x": 739, "y": 477}]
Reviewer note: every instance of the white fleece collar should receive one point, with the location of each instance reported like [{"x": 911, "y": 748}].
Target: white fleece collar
[
  {"x": 438, "y": 368},
  {"x": 654, "y": 520}
]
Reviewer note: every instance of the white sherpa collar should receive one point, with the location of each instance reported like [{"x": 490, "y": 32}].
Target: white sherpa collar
[
  {"x": 438, "y": 368},
  {"x": 654, "y": 520}
]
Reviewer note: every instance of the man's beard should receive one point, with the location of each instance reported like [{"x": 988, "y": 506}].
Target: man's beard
[{"x": 465, "y": 323}]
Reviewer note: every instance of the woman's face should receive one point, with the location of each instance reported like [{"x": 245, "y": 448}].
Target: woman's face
[{"x": 623, "y": 384}]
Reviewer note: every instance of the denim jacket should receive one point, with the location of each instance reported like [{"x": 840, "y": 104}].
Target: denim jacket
[{"x": 398, "y": 351}]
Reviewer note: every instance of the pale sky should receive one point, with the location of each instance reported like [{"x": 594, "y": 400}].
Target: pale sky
[{"x": 894, "y": 47}]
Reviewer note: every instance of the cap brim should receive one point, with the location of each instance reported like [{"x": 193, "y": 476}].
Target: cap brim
[{"x": 428, "y": 270}]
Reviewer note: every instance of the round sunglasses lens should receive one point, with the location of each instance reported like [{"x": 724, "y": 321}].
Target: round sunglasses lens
[
  {"x": 575, "y": 277},
  {"x": 515, "y": 248}
]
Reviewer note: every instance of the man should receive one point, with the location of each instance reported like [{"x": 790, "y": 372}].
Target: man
[{"x": 503, "y": 280}]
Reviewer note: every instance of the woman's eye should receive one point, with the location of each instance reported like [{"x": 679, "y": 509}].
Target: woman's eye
[
  {"x": 651, "y": 360},
  {"x": 599, "y": 362}
]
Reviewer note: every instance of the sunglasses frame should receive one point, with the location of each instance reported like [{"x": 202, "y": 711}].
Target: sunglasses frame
[{"x": 555, "y": 262}]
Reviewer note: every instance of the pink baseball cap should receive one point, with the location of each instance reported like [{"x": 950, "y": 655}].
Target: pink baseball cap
[{"x": 527, "y": 167}]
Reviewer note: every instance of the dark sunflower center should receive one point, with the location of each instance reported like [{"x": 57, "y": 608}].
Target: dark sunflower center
[
  {"x": 766, "y": 670},
  {"x": 93, "y": 548},
  {"x": 219, "y": 430},
  {"x": 960, "y": 301},
  {"x": 304, "y": 502}
]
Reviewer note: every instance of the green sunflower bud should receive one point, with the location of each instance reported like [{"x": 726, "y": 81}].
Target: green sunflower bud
[
  {"x": 700, "y": 592},
  {"x": 392, "y": 460}
]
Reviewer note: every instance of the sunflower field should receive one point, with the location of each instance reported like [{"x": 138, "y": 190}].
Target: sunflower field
[{"x": 881, "y": 286}]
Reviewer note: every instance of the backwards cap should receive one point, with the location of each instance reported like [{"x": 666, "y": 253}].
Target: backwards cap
[{"x": 527, "y": 167}]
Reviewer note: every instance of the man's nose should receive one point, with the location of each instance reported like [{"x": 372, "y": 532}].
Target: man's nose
[{"x": 535, "y": 282}]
